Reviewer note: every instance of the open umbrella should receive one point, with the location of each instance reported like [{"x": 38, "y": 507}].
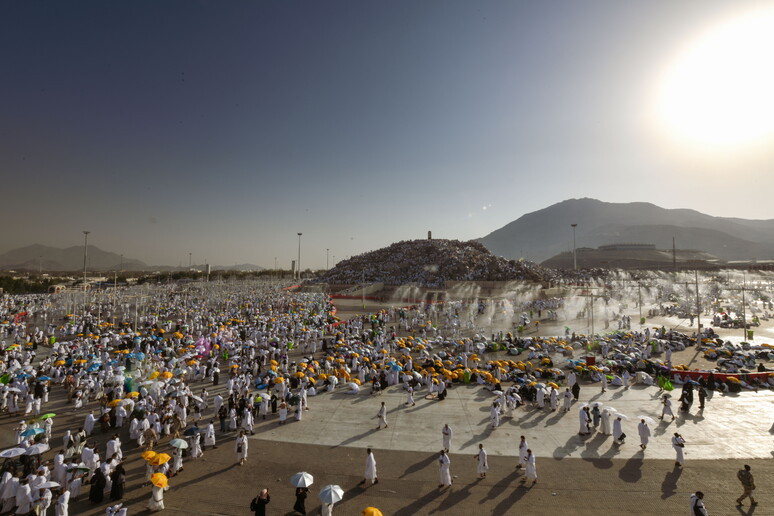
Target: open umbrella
[
  {"x": 192, "y": 430},
  {"x": 371, "y": 511},
  {"x": 12, "y": 452},
  {"x": 159, "y": 480},
  {"x": 331, "y": 494},
  {"x": 159, "y": 459},
  {"x": 46, "y": 416},
  {"x": 302, "y": 479},
  {"x": 148, "y": 454},
  {"x": 178, "y": 443},
  {"x": 37, "y": 449},
  {"x": 32, "y": 431},
  {"x": 48, "y": 485},
  {"x": 649, "y": 420}
]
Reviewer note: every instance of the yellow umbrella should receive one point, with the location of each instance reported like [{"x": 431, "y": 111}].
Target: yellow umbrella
[
  {"x": 159, "y": 480},
  {"x": 153, "y": 375},
  {"x": 279, "y": 380},
  {"x": 166, "y": 374},
  {"x": 371, "y": 511},
  {"x": 159, "y": 459},
  {"x": 148, "y": 455},
  {"x": 132, "y": 394},
  {"x": 80, "y": 361},
  {"x": 59, "y": 362},
  {"x": 299, "y": 374},
  {"x": 114, "y": 403}
]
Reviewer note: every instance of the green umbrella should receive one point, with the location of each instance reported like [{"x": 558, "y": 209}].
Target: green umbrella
[{"x": 46, "y": 416}]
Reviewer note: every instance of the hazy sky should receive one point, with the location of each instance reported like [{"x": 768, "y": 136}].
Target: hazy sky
[{"x": 224, "y": 128}]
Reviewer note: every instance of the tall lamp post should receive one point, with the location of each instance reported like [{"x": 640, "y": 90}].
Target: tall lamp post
[
  {"x": 574, "y": 255},
  {"x": 327, "y": 255},
  {"x": 85, "y": 247},
  {"x": 298, "y": 262}
]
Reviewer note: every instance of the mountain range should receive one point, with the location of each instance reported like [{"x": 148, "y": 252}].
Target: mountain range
[
  {"x": 43, "y": 258},
  {"x": 542, "y": 234}
]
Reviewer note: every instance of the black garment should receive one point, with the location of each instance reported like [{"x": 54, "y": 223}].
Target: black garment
[
  {"x": 118, "y": 476},
  {"x": 301, "y": 493},
  {"x": 98, "y": 483},
  {"x": 259, "y": 505},
  {"x": 575, "y": 390}
]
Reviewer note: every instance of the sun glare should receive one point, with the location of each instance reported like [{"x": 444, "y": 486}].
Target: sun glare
[{"x": 719, "y": 90}]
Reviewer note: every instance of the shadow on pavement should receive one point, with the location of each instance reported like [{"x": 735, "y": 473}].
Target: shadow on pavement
[
  {"x": 418, "y": 466},
  {"x": 632, "y": 469},
  {"x": 669, "y": 485}
]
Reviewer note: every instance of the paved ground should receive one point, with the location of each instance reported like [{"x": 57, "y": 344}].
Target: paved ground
[{"x": 577, "y": 476}]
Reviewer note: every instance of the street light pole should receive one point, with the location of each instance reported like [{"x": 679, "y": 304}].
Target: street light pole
[
  {"x": 574, "y": 255},
  {"x": 298, "y": 263},
  {"x": 189, "y": 261},
  {"x": 85, "y": 247},
  {"x": 327, "y": 254}
]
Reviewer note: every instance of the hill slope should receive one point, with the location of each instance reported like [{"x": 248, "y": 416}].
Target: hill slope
[{"x": 547, "y": 232}]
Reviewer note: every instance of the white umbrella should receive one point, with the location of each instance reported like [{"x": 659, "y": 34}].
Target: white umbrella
[
  {"x": 178, "y": 443},
  {"x": 302, "y": 479},
  {"x": 622, "y": 416},
  {"x": 13, "y": 452},
  {"x": 331, "y": 494},
  {"x": 197, "y": 398},
  {"x": 48, "y": 485},
  {"x": 37, "y": 449},
  {"x": 649, "y": 420}
]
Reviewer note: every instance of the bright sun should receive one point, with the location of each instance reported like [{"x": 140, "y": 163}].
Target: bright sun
[{"x": 719, "y": 91}]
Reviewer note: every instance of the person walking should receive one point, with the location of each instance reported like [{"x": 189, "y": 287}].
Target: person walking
[
  {"x": 259, "y": 503},
  {"x": 531, "y": 470},
  {"x": 370, "y": 469},
  {"x": 240, "y": 448},
  {"x": 678, "y": 443},
  {"x": 667, "y": 410},
  {"x": 523, "y": 447},
  {"x": 644, "y": 432},
  {"x": 482, "y": 464},
  {"x": 444, "y": 466},
  {"x": 301, "y": 494},
  {"x": 745, "y": 476},
  {"x": 696, "y": 504},
  {"x": 382, "y": 415},
  {"x": 446, "y": 437}
]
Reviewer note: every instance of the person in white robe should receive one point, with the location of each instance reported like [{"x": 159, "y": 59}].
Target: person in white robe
[
  {"x": 62, "y": 503},
  {"x": 584, "y": 418},
  {"x": 209, "y": 435},
  {"x": 23, "y": 497},
  {"x": 283, "y": 412},
  {"x": 444, "y": 470},
  {"x": 43, "y": 502},
  {"x": 410, "y": 396},
  {"x": 494, "y": 415},
  {"x": 667, "y": 410},
  {"x": 531, "y": 469},
  {"x": 605, "y": 427},
  {"x": 566, "y": 400},
  {"x": 482, "y": 464},
  {"x": 644, "y": 432},
  {"x": 523, "y": 447},
  {"x": 196, "y": 446},
  {"x": 382, "y": 415},
  {"x": 370, "y": 477},
  {"x": 88, "y": 423},
  {"x": 156, "y": 502},
  {"x": 177, "y": 462},
  {"x": 678, "y": 443},
  {"x": 240, "y": 448},
  {"x": 446, "y": 437}
]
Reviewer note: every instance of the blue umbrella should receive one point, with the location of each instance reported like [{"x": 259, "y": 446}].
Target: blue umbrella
[
  {"x": 24, "y": 375},
  {"x": 32, "y": 431},
  {"x": 44, "y": 378}
]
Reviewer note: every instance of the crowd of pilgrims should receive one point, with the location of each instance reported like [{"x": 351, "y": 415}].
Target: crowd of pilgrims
[{"x": 263, "y": 352}]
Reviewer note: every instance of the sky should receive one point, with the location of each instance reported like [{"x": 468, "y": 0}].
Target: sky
[{"x": 224, "y": 128}]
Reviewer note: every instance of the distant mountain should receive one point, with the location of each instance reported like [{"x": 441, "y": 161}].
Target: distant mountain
[
  {"x": 544, "y": 233},
  {"x": 39, "y": 257}
]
